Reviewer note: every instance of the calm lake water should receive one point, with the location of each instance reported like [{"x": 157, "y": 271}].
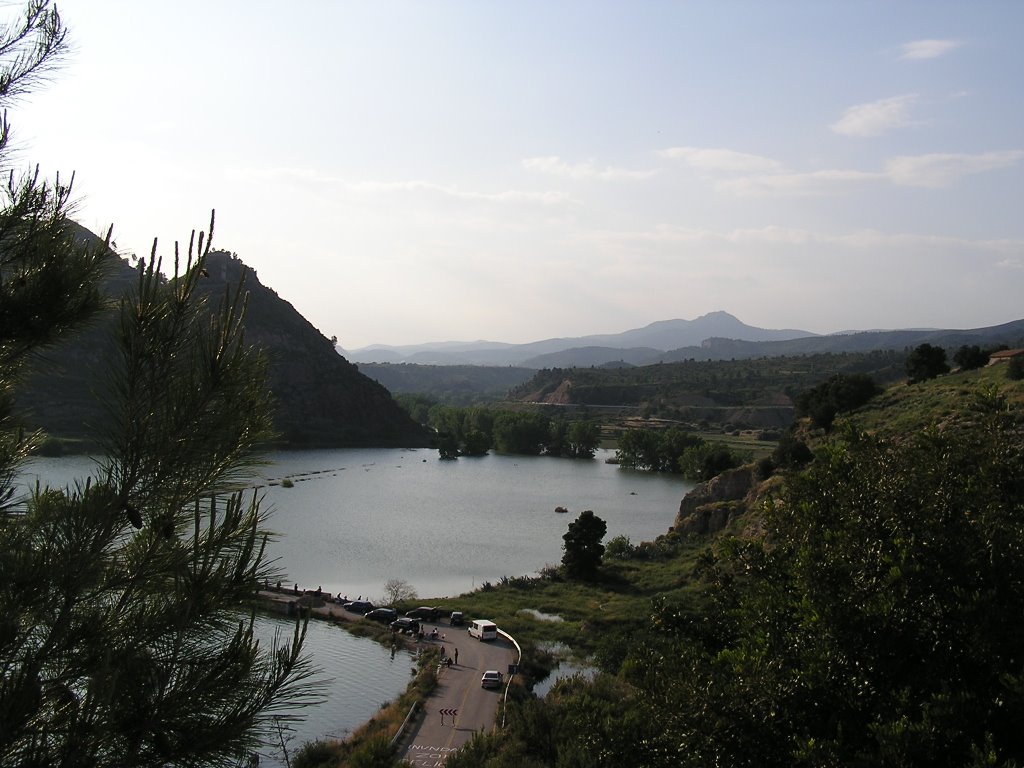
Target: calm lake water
[{"x": 358, "y": 517}]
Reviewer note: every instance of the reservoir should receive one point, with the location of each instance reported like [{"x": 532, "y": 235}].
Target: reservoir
[{"x": 354, "y": 518}]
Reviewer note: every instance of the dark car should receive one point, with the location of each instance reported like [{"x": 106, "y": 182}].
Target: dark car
[
  {"x": 430, "y": 614},
  {"x": 457, "y": 619},
  {"x": 405, "y": 624},
  {"x": 387, "y": 615},
  {"x": 359, "y": 606}
]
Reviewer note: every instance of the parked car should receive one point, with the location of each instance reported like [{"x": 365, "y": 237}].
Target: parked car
[
  {"x": 405, "y": 624},
  {"x": 429, "y": 614},
  {"x": 387, "y": 615},
  {"x": 457, "y": 619},
  {"x": 491, "y": 679},
  {"x": 358, "y": 606}
]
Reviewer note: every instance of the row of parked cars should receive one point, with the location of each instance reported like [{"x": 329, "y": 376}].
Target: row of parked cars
[{"x": 410, "y": 621}]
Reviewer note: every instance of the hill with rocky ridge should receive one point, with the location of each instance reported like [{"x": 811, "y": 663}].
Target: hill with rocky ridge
[{"x": 322, "y": 399}]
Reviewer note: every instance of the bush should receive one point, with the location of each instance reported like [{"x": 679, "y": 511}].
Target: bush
[
  {"x": 315, "y": 754},
  {"x": 618, "y": 548},
  {"x": 1015, "y": 368}
]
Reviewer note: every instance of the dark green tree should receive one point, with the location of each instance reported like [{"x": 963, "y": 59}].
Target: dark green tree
[
  {"x": 1015, "y": 368},
  {"x": 707, "y": 460},
  {"x": 639, "y": 449},
  {"x": 519, "y": 432},
  {"x": 926, "y": 362},
  {"x": 969, "y": 357},
  {"x": 126, "y": 629},
  {"x": 447, "y": 446},
  {"x": 839, "y": 394},
  {"x": 881, "y": 626},
  {"x": 583, "y": 549},
  {"x": 582, "y": 439}
]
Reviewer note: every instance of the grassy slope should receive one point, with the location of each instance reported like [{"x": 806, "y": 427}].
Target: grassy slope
[{"x": 902, "y": 408}]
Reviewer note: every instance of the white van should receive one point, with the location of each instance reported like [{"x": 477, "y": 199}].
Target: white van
[{"x": 483, "y": 629}]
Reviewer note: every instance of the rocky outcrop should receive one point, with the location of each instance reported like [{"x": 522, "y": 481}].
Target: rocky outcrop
[{"x": 711, "y": 506}]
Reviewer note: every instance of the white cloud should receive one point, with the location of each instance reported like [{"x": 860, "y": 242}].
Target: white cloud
[
  {"x": 549, "y": 197},
  {"x": 876, "y": 117},
  {"x": 311, "y": 176},
  {"x": 722, "y": 160},
  {"x": 556, "y": 166},
  {"x": 941, "y": 170},
  {"x": 870, "y": 240},
  {"x": 928, "y": 49},
  {"x": 815, "y": 182}
]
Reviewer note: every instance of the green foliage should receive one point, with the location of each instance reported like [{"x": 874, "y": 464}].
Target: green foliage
[
  {"x": 655, "y": 450},
  {"x": 316, "y": 754},
  {"x": 447, "y": 445},
  {"x": 521, "y": 432},
  {"x": 792, "y": 453},
  {"x": 126, "y": 637},
  {"x": 839, "y": 394},
  {"x": 583, "y": 548},
  {"x": 926, "y": 362},
  {"x": 707, "y": 460},
  {"x": 577, "y": 439},
  {"x": 882, "y": 626},
  {"x": 375, "y": 752},
  {"x": 1015, "y": 368},
  {"x": 969, "y": 357},
  {"x": 618, "y": 547},
  {"x": 675, "y": 450},
  {"x": 417, "y": 406}
]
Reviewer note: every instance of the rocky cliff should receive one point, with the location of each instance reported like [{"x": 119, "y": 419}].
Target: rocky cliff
[{"x": 711, "y": 506}]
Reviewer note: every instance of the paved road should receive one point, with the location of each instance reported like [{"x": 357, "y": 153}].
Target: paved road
[
  {"x": 429, "y": 743},
  {"x": 458, "y": 689}
]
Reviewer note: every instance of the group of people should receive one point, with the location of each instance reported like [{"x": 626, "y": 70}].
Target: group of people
[{"x": 446, "y": 659}]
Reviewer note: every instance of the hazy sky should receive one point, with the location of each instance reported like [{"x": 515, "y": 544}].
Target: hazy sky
[{"x": 405, "y": 172}]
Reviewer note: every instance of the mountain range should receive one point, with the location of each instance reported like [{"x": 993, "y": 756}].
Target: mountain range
[{"x": 714, "y": 336}]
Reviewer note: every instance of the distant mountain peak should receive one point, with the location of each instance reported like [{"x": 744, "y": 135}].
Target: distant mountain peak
[{"x": 638, "y": 343}]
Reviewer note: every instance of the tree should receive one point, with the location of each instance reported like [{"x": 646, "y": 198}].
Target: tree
[
  {"x": 398, "y": 591},
  {"x": 878, "y": 623},
  {"x": 518, "y": 432},
  {"x": 126, "y": 629},
  {"x": 582, "y": 439},
  {"x": 926, "y": 362},
  {"x": 970, "y": 357},
  {"x": 583, "y": 547},
  {"x": 707, "y": 460},
  {"x": 1015, "y": 368},
  {"x": 840, "y": 393}
]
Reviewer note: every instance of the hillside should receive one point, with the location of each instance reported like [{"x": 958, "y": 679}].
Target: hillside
[
  {"x": 755, "y": 393},
  {"x": 322, "y": 399},
  {"x": 449, "y": 384}
]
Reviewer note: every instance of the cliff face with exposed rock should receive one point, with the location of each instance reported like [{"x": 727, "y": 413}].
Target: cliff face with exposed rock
[{"x": 711, "y": 506}]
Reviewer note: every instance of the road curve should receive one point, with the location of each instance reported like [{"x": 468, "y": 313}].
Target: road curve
[{"x": 439, "y": 734}]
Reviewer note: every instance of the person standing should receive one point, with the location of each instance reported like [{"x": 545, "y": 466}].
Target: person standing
[{"x": 456, "y": 655}]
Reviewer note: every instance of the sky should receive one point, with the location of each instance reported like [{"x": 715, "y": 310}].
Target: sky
[{"x": 410, "y": 172}]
